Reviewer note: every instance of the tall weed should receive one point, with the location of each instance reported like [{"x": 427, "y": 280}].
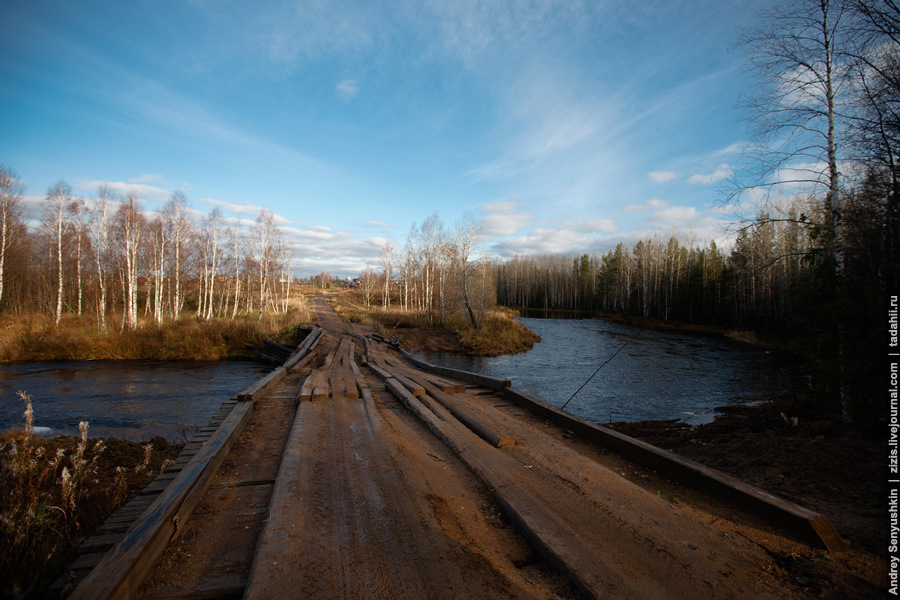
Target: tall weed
[{"x": 54, "y": 492}]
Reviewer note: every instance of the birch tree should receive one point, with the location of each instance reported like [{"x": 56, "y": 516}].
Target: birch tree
[
  {"x": 175, "y": 211},
  {"x": 468, "y": 243},
  {"x": 131, "y": 224},
  {"x": 11, "y": 191},
  {"x": 386, "y": 258},
  {"x": 794, "y": 54},
  {"x": 59, "y": 196},
  {"x": 100, "y": 237},
  {"x": 265, "y": 245},
  {"x": 77, "y": 212}
]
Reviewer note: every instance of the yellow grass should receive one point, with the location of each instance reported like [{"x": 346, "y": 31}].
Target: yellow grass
[{"x": 37, "y": 337}]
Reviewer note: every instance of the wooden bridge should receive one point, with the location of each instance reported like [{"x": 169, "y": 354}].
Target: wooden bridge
[{"x": 356, "y": 471}]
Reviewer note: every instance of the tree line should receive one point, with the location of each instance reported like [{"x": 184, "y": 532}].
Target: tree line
[
  {"x": 108, "y": 256},
  {"x": 819, "y": 256},
  {"x": 438, "y": 275}
]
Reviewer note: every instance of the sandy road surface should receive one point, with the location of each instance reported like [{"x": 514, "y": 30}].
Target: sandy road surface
[{"x": 370, "y": 501}]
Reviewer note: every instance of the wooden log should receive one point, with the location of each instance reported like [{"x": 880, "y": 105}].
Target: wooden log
[
  {"x": 467, "y": 420},
  {"x": 304, "y": 351},
  {"x": 491, "y": 383},
  {"x": 414, "y": 388},
  {"x": 261, "y": 386},
  {"x": 314, "y": 387},
  {"x": 380, "y": 372},
  {"x": 298, "y": 366},
  {"x": 306, "y": 391},
  {"x": 445, "y": 386},
  {"x": 809, "y": 526},
  {"x": 122, "y": 570}
]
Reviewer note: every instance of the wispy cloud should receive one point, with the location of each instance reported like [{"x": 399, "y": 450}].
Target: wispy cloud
[
  {"x": 722, "y": 172},
  {"x": 236, "y": 208},
  {"x": 662, "y": 176},
  {"x": 347, "y": 90},
  {"x": 501, "y": 219},
  {"x": 144, "y": 191}
]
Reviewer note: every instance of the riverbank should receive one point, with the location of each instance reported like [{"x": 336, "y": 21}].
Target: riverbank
[
  {"x": 790, "y": 448},
  {"x": 498, "y": 334},
  {"x": 35, "y": 336},
  {"x": 55, "y": 492}
]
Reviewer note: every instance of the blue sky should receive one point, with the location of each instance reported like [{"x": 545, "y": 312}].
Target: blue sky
[{"x": 565, "y": 126}]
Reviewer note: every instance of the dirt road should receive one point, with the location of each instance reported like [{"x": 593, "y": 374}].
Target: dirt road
[{"x": 386, "y": 490}]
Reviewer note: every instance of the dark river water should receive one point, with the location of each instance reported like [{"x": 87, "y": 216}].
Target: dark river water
[
  {"x": 657, "y": 375},
  {"x": 135, "y": 400}
]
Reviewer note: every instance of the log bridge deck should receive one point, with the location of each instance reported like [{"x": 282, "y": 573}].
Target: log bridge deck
[{"x": 356, "y": 471}]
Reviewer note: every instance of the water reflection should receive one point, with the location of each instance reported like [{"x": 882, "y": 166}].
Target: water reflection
[
  {"x": 136, "y": 400},
  {"x": 657, "y": 375}
]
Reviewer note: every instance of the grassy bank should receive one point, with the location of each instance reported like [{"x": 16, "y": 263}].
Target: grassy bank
[
  {"x": 55, "y": 492},
  {"x": 498, "y": 334},
  {"x": 37, "y": 337}
]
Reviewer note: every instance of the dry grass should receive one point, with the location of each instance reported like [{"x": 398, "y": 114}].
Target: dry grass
[
  {"x": 54, "y": 492},
  {"x": 498, "y": 334},
  {"x": 37, "y": 337}
]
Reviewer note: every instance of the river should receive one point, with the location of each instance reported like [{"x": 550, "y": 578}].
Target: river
[
  {"x": 134, "y": 400},
  {"x": 655, "y": 375}
]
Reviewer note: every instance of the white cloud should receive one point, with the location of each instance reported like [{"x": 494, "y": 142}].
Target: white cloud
[
  {"x": 347, "y": 89},
  {"x": 593, "y": 226},
  {"x": 662, "y": 176},
  {"x": 503, "y": 218},
  {"x": 144, "y": 191},
  {"x": 722, "y": 172},
  {"x": 735, "y": 148},
  {"x": 237, "y": 208},
  {"x": 149, "y": 178}
]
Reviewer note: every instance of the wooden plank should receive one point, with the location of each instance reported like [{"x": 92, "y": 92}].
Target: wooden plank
[
  {"x": 317, "y": 380},
  {"x": 226, "y": 592},
  {"x": 491, "y": 383},
  {"x": 109, "y": 527},
  {"x": 498, "y": 488},
  {"x": 243, "y": 483},
  {"x": 414, "y": 388},
  {"x": 809, "y": 526},
  {"x": 125, "y": 566},
  {"x": 100, "y": 543},
  {"x": 262, "y": 385},
  {"x": 445, "y": 386},
  {"x": 463, "y": 417},
  {"x": 298, "y": 366},
  {"x": 304, "y": 351},
  {"x": 380, "y": 372},
  {"x": 87, "y": 561}
]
